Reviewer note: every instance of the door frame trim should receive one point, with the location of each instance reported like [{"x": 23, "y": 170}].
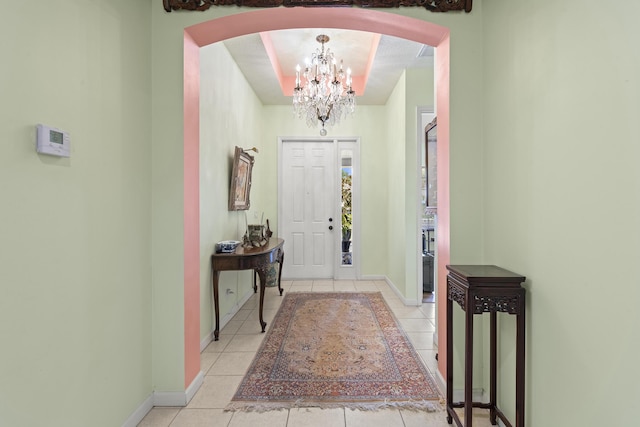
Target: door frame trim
[
  {"x": 341, "y": 272},
  {"x": 419, "y": 156},
  {"x": 337, "y": 213}
]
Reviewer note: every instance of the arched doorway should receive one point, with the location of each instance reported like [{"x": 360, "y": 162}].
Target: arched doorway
[{"x": 220, "y": 29}]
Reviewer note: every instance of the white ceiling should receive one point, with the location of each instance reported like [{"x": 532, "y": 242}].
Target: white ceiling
[{"x": 291, "y": 47}]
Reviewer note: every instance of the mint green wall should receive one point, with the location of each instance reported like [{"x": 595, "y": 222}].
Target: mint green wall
[
  {"x": 122, "y": 193},
  {"x": 562, "y": 204},
  {"x": 414, "y": 89},
  {"x": 167, "y": 238},
  {"x": 230, "y": 115},
  {"x": 396, "y": 154},
  {"x": 419, "y": 89},
  {"x": 75, "y": 278},
  {"x": 113, "y": 313},
  {"x": 543, "y": 106}
]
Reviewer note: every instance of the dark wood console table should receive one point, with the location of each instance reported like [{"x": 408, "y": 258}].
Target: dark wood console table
[
  {"x": 479, "y": 289},
  {"x": 256, "y": 259}
]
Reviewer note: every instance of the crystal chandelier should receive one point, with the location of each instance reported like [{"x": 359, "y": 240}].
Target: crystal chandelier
[{"x": 323, "y": 93}]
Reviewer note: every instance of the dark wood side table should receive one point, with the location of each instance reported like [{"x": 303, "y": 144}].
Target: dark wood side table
[
  {"x": 479, "y": 289},
  {"x": 256, "y": 259}
]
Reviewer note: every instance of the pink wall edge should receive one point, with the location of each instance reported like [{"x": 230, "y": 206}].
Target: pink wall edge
[
  {"x": 443, "y": 240},
  {"x": 191, "y": 111},
  {"x": 283, "y": 18}
]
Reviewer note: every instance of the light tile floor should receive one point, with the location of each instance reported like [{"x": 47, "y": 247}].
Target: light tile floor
[{"x": 225, "y": 361}]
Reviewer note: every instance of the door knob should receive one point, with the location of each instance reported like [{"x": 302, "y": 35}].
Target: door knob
[
  {"x": 330, "y": 219},
  {"x": 331, "y": 227}
]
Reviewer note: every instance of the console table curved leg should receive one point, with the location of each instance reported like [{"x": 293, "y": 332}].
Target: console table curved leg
[
  {"x": 255, "y": 283},
  {"x": 281, "y": 262},
  {"x": 262, "y": 274},
  {"x": 215, "y": 276}
]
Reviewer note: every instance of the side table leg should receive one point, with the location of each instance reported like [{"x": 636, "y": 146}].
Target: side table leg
[
  {"x": 216, "y": 304},
  {"x": 520, "y": 343},
  {"x": 468, "y": 363},
  {"x": 449, "y": 368},
  {"x": 262, "y": 274},
  {"x": 493, "y": 367}
]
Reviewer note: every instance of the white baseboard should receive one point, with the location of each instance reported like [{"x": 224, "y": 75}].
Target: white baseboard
[
  {"x": 137, "y": 415},
  {"x": 178, "y": 398},
  {"x": 373, "y": 277},
  {"x": 406, "y": 301},
  {"x": 169, "y": 398},
  {"x": 165, "y": 398},
  {"x": 194, "y": 386},
  {"x": 441, "y": 383}
]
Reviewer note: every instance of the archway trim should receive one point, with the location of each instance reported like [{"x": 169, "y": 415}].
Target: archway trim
[{"x": 220, "y": 29}]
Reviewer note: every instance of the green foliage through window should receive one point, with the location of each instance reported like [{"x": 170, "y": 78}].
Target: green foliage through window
[{"x": 346, "y": 206}]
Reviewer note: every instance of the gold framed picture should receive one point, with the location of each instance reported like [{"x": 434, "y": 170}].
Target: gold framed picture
[{"x": 240, "y": 181}]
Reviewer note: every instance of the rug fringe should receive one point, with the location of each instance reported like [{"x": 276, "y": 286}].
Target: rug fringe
[{"x": 424, "y": 405}]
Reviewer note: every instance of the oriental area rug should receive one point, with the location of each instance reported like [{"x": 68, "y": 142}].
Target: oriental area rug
[{"x": 336, "y": 350}]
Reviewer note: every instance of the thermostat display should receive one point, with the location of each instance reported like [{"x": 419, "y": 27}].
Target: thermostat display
[{"x": 53, "y": 141}]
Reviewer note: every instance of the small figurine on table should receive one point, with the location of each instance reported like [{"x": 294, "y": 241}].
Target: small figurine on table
[{"x": 256, "y": 236}]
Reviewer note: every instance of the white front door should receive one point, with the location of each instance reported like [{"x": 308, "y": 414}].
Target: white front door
[{"x": 307, "y": 220}]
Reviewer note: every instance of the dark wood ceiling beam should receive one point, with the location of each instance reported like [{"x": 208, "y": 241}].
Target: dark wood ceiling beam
[{"x": 432, "y": 5}]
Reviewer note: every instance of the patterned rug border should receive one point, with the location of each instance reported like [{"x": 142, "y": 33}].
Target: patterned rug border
[
  {"x": 424, "y": 405},
  {"x": 262, "y": 405}
]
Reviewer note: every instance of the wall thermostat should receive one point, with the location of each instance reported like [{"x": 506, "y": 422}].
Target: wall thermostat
[{"x": 52, "y": 141}]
